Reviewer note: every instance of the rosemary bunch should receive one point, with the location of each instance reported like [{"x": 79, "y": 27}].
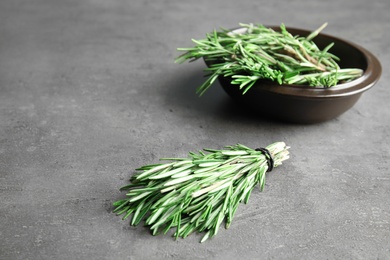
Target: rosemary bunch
[
  {"x": 258, "y": 52},
  {"x": 200, "y": 192}
]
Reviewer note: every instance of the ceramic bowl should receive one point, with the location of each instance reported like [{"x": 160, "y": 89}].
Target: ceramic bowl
[{"x": 305, "y": 104}]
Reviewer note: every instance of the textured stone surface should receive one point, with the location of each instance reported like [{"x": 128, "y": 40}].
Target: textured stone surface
[{"x": 89, "y": 92}]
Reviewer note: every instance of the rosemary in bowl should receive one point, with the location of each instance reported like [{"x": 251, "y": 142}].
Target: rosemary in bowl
[{"x": 255, "y": 52}]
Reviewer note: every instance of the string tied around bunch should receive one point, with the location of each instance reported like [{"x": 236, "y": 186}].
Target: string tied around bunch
[{"x": 268, "y": 156}]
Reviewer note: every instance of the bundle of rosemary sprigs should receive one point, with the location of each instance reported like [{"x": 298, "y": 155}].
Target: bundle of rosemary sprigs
[
  {"x": 200, "y": 192},
  {"x": 263, "y": 53}
]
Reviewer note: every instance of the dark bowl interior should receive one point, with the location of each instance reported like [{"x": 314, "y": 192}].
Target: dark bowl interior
[{"x": 305, "y": 104}]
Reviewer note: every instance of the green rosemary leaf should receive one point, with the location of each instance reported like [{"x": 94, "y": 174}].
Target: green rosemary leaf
[
  {"x": 247, "y": 192},
  {"x": 205, "y": 170},
  {"x": 183, "y": 162},
  {"x": 167, "y": 228},
  {"x": 123, "y": 210},
  {"x": 188, "y": 230},
  {"x": 128, "y": 213},
  {"x": 209, "y": 164},
  {"x": 137, "y": 212},
  {"x": 171, "y": 172},
  {"x": 153, "y": 217},
  {"x": 205, "y": 237},
  {"x": 140, "y": 196},
  {"x": 153, "y": 170},
  {"x": 181, "y": 174},
  {"x": 218, "y": 223},
  {"x": 316, "y": 32},
  {"x": 120, "y": 203},
  {"x": 232, "y": 152},
  {"x": 144, "y": 210},
  {"x": 120, "y": 206},
  {"x": 178, "y": 180},
  {"x": 178, "y": 220}
]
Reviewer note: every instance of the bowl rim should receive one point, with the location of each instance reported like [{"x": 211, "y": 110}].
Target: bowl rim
[{"x": 368, "y": 79}]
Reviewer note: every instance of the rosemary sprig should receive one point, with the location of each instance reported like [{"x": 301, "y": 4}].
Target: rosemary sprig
[
  {"x": 197, "y": 193},
  {"x": 259, "y": 52}
]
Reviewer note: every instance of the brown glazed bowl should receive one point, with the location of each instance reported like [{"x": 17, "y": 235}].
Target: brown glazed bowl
[{"x": 305, "y": 104}]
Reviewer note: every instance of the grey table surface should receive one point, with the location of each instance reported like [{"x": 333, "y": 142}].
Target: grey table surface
[{"x": 89, "y": 92}]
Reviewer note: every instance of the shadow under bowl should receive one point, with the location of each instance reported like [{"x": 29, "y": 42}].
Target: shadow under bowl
[{"x": 305, "y": 104}]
